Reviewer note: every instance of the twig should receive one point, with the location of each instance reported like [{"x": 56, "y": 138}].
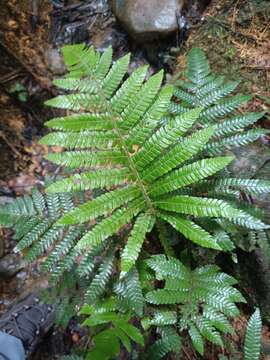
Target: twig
[{"x": 3, "y": 136}]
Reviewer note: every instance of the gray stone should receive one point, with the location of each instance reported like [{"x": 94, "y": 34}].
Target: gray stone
[
  {"x": 54, "y": 61},
  {"x": 249, "y": 160},
  {"x": 146, "y": 20},
  {"x": 10, "y": 265},
  {"x": 263, "y": 200}
]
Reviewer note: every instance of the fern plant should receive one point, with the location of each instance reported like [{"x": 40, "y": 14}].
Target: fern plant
[
  {"x": 115, "y": 137},
  {"x": 153, "y": 164},
  {"x": 205, "y": 298}
]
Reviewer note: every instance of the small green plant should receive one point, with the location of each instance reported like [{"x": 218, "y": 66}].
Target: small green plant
[
  {"x": 114, "y": 329},
  {"x": 141, "y": 163}
]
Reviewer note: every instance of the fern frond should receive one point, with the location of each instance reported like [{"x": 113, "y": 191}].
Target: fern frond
[
  {"x": 164, "y": 137},
  {"x": 100, "y": 206},
  {"x": 188, "y": 174},
  {"x": 141, "y": 102},
  {"x": 253, "y": 337},
  {"x": 109, "y": 226},
  {"x": 91, "y": 180},
  {"x": 253, "y": 186},
  {"x": 130, "y": 292},
  {"x": 198, "y": 66},
  {"x": 234, "y": 141},
  {"x": 101, "y": 279},
  {"x": 169, "y": 342},
  {"x": 84, "y": 159},
  {"x": 237, "y": 123},
  {"x": 85, "y": 139},
  {"x": 178, "y": 154},
  {"x": 206, "y": 296},
  {"x": 143, "y": 224}
]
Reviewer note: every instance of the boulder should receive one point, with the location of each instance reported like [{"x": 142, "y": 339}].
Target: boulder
[
  {"x": 10, "y": 265},
  {"x": 146, "y": 20}
]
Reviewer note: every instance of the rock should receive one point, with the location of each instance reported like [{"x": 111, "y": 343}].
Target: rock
[
  {"x": 146, "y": 20},
  {"x": 10, "y": 265},
  {"x": 263, "y": 200},
  {"x": 54, "y": 61},
  {"x": 249, "y": 159}
]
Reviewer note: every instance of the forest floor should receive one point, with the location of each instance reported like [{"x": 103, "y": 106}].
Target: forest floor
[{"x": 236, "y": 38}]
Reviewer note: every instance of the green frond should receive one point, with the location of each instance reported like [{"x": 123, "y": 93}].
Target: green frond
[
  {"x": 23, "y": 226},
  {"x": 130, "y": 292},
  {"x": 196, "y": 206},
  {"x": 109, "y": 226},
  {"x": 164, "y": 268},
  {"x": 176, "y": 109},
  {"x": 178, "y": 154},
  {"x": 101, "y": 279},
  {"x": 169, "y": 342},
  {"x": 100, "y": 206},
  {"x": 39, "y": 201},
  {"x": 125, "y": 94},
  {"x": 164, "y": 137},
  {"x": 91, "y": 180},
  {"x": 114, "y": 78},
  {"x": 192, "y": 231},
  {"x": 86, "y": 159},
  {"x": 88, "y": 261},
  {"x": 124, "y": 137},
  {"x": 211, "y": 85},
  {"x": 80, "y": 60},
  {"x": 196, "y": 338},
  {"x": 160, "y": 318},
  {"x": 139, "y": 134},
  {"x": 205, "y": 299},
  {"x": 61, "y": 249},
  {"x": 188, "y": 174},
  {"x": 78, "y": 102},
  {"x": 222, "y": 108},
  {"x": 81, "y": 122},
  {"x": 44, "y": 242},
  {"x": 208, "y": 331},
  {"x": 104, "y": 64},
  {"x": 21, "y": 208},
  {"x": 81, "y": 140},
  {"x": 217, "y": 94},
  {"x": 237, "y": 123},
  {"x": 253, "y": 186},
  {"x": 253, "y": 337},
  {"x": 185, "y": 96},
  {"x": 234, "y": 141},
  {"x": 141, "y": 102},
  {"x": 197, "y": 66},
  {"x": 143, "y": 224},
  {"x": 34, "y": 235}
]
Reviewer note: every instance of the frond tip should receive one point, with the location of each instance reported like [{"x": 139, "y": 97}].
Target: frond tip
[{"x": 253, "y": 337}]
